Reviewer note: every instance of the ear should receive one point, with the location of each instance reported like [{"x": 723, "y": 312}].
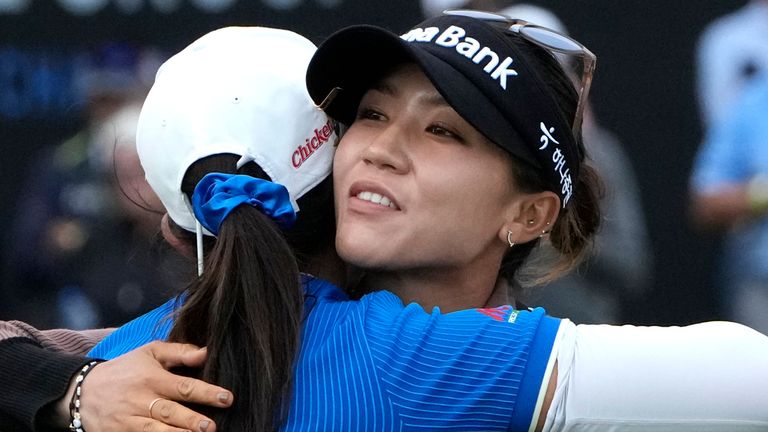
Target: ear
[
  {"x": 530, "y": 216},
  {"x": 183, "y": 247}
]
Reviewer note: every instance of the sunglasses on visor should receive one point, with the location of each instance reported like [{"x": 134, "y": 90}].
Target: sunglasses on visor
[{"x": 550, "y": 40}]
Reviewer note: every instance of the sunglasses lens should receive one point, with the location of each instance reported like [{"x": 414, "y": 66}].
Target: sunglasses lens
[
  {"x": 481, "y": 15},
  {"x": 551, "y": 39},
  {"x": 548, "y": 39}
]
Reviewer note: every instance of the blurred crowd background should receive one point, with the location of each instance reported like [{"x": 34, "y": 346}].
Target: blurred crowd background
[{"x": 678, "y": 125}]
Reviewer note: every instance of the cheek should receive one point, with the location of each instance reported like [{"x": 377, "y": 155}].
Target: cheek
[
  {"x": 341, "y": 167},
  {"x": 345, "y": 154},
  {"x": 473, "y": 204},
  {"x": 471, "y": 190}
]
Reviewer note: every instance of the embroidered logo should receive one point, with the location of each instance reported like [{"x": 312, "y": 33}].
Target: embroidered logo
[
  {"x": 456, "y": 37},
  {"x": 513, "y": 316},
  {"x": 547, "y": 137},
  {"x": 498, "y": 313},
  {"x": 320, "y": 137},
  {"x": 558, "y": 159}
]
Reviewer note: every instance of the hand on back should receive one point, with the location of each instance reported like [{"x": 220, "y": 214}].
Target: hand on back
[{"x": 117, "y": 394}]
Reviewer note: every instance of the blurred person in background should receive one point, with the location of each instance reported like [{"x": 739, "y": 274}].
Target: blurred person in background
[
  {"x": 620, "y": 266},
  {"x": 730, "y": 194},
  {"x": 728, "y": 181},
  {"x": 82, "y": 250},
  {"x": 731, "y": 50}
]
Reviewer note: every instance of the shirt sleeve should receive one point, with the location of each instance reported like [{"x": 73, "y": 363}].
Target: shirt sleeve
[
  {"x": 32, "y": 378},
  {"x": 76, "y": 342},
  {"x": 442, "y": 369}
]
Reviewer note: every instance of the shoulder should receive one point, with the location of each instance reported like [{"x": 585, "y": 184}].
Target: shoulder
[
  {"x": 322, "y": 289},
  {"x": 728, "y": 30},
  {"x": 503, "y": 330},
  {"x": 756, "y": 92},
  {"x": 738, "y": 22},
  {"x": 154, "y": 325},
  {"x": 500, "y": 358}
]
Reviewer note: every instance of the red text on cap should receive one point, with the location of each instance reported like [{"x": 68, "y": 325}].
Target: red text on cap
[{"x": 304, "y": 151}]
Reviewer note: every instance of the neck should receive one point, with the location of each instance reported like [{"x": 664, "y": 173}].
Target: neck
[
  {"x": 328, "y": 266},
  {"x": 450, "y": 290}
]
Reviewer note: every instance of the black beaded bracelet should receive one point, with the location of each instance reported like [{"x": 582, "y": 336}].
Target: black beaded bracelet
[{"x": 76, "y": 423}]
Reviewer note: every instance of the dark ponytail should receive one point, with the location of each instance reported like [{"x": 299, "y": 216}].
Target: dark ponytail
[
  {"x": 572, "y": 233},
  {"x": 246, "y": 308}
]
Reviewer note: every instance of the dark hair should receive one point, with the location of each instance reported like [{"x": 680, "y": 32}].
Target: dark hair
[
  {"x": 247, "y": 306},
  {"x": 572, "y": 233}
]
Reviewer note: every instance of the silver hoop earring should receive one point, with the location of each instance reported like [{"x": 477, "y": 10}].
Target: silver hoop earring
[{"x": 509, "y": 239}]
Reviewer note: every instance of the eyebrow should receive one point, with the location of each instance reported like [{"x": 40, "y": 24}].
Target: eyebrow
[{"x": 384, "y": 87}]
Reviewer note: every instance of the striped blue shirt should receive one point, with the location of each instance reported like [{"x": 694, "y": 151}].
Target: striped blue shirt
[{"x": 378, "y": 365}]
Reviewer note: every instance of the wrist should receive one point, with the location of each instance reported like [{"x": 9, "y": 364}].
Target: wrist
[
  {"x": 75, "y": 423},
  {"x": 59, "y": 416},
  {"x": 757, "y": 194}
]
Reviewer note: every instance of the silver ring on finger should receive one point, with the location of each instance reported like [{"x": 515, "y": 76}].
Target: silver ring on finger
[{"x": 152, "y": 405}]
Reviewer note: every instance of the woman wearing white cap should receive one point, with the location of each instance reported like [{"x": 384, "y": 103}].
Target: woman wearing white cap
[
  {"x": 463, "y": 154},
  {"x": 233, "y": 146}
]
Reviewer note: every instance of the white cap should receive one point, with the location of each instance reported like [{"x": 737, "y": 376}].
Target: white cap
[{"x": 238, "y": 90}]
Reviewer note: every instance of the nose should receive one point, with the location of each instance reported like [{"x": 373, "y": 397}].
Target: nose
[{"x": 388, "y": 150}]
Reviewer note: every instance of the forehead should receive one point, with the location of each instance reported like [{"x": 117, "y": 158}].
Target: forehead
[{"x": 406, "y": 80}]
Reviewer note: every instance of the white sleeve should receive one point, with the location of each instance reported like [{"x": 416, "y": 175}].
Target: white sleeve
[{"x": 710, "y": 377}]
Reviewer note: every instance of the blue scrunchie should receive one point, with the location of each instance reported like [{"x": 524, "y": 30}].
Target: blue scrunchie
[{"x": 217, "y": 194}]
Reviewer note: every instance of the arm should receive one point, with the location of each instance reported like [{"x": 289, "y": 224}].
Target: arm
[
  {"x": 115, "y": 396},
  {"x": 708, "y": 376},
  {"x": 37, "y": 368},
  {"x": 39, "y": 374},
  {"x": 60, "y": 340},
  {"x": 729, "y": 180},
  {"x": 731, "y": 203},
  {"x": 548, "y": 396},
  {"x": 32, "y": 378}
]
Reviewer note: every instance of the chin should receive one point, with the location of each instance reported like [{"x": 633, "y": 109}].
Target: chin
[
  {"x": 361, "y": 254},
  {"x": 354, "y": 253}
]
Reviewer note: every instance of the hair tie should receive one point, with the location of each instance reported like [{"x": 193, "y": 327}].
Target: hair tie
[{"x": 217, "y": 194}]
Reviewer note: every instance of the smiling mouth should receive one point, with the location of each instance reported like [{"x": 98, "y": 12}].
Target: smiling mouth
[{"x": 376, "y": 198}]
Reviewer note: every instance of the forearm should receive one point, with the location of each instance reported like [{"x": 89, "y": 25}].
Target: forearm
[
  {"x": 722, "y": 209},
  {"x": 702, "y": 377},
  {"x": 37, "y": 369},
  {"x": 32, "y": 379},
  {"x": 731, "y": 204},
  {"x": 76, "y": 342}
]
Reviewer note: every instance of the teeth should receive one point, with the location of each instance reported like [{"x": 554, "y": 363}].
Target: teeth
[{"x": 376, "y": 199}]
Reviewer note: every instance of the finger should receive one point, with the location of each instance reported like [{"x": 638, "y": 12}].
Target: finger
[
  {"x": 171, "y": 354},
  {"x": 195, "y": 358},
  {"x": 185, "y": 389},
  {"x": 175, "y": 414},
  {"x": 143, "y": 424}
]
